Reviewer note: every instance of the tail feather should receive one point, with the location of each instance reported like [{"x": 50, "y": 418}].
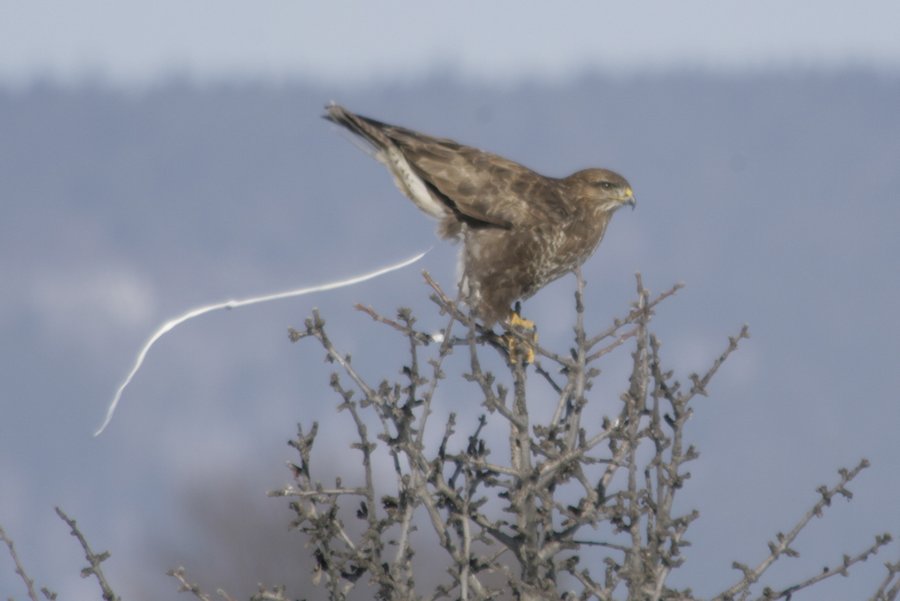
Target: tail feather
[
  {"x": 409, "y": 179},
  {"x": 367, "y": 129}
]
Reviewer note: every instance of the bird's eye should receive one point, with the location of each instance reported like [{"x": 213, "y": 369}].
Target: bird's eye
[{"x": 605, "y": 185}]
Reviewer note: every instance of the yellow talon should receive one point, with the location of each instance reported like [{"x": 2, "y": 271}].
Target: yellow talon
[
  {"x": 517, "y": 320},
  {"x": 526, "y": 329}
]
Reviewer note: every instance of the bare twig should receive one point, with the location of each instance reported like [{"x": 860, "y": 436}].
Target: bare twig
[
  {"x": 782, "y": 544},
  {"x": 420, "y": 337},
  {"x": 889, "y": 589},
  {"x": 20, "y": 570},
  {"x": 633, "y": 316},
  {"x": 94, "y": 559},
  {"x": 843, "y": 569},
  {"x": 184, "y": 586}
]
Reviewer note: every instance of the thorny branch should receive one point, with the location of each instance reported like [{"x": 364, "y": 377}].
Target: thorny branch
[
  {"x": 586, "y": 505},
  {"x": 94, "y": 559},
  {"x": 889, "y": 589},
  {"x": 20, "y": 570},
  {"x": 185, "y": 586},
  {"x": 93, "y": 568},
  {"x": 782, "y": 546},
  {"x": 570, "y": 486}
]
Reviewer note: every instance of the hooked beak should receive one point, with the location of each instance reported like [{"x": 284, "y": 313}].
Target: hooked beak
[{"x": 631, "y": 199}]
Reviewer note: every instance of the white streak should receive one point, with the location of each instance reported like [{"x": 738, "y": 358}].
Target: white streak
[{"x": 234, "y": 304}]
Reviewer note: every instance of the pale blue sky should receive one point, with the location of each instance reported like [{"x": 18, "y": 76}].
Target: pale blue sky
[{"x": 132, "y": 42}]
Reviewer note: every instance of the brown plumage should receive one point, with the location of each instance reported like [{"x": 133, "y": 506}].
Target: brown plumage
[{"x": 520, "y": 230}]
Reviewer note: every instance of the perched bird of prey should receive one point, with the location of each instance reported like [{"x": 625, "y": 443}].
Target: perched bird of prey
[{"x": 519, "y": 230}]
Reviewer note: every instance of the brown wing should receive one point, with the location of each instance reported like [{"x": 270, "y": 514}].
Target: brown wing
[{"x": 481, "y": 188}]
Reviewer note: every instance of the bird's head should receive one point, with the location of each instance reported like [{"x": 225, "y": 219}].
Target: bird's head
[{"x": 605, "y": 189}]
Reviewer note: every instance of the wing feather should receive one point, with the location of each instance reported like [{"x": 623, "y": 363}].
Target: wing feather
[{"x": 482, "y": 187}]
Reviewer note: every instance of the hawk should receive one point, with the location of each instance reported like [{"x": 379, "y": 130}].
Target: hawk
[{"x": 519, "y": 230}]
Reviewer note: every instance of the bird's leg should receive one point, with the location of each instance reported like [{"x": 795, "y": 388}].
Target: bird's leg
[{"x": 521, "y": 338}]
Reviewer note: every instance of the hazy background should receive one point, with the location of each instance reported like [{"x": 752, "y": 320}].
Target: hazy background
[{"x": 156, "y": 158}]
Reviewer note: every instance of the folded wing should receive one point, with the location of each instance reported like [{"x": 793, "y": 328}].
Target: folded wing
[{"x": 449, "y": 180}]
